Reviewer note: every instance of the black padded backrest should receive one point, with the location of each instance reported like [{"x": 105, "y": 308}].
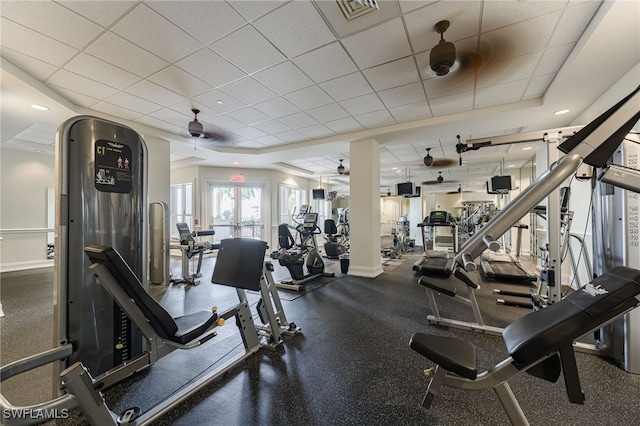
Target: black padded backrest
[
  {"x": 285, "y": 239},
  {"x": 160, "y": 319},
  {"x": 185, "y": 233},
  {"x": 240, "y": 263},
  {"x": 545, "y": 331},
  {"x": 330, "y": 227}
]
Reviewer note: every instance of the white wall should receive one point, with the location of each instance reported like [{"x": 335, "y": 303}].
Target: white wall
[{"x": 24, "y": 179}]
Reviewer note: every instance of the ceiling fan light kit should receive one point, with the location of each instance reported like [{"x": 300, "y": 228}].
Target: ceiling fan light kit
[
  {"x": 341, "y": 168},
  {"x": 443, "y": 55},
  {"x": 195, "y": 127}
]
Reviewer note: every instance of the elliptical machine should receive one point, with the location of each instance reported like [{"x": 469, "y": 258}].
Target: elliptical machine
[{"x": 295, "y": 257}]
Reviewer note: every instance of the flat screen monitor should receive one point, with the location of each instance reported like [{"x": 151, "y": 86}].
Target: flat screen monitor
[
  {"x": 318, "y": 194},
  {"x": 500, "y": 184},
  {"x": 405, "y": 188}
]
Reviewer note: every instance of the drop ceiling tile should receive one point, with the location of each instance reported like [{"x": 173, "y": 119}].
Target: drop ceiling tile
[
  {"x": 155, "y": 93},
  {"x": 176, "y": 118},
  {"x": 212, "y": 98},
  {"x": 573, "y": 22},
  {"x": 450, "y": 104},
  {"x": 272, "y": 126},
  {"x": 248, "y": 90},
  {"x": 316, "y": 131},
  {"x": 75, "y": 97},
  {"x": 277, "y": 107},
  {"x": 75, "y": 82},
  {"x": 326, "y": 63},
  {"x": 116, "y": 110},
  {"x": 362, "y": 104},
  {"x": 269, "y": 140},
  {"x": 39, "y": 69},
  {"x": 134, "y": 103},
  {"x": 500, "y": 94},
  {"x": 452, "y": 84},
  {"x": 126, "y": 55},
  {"x": 348, "y": 124},
  {"x": 52, "y": 20},
  {"x": 501, "y": 14},
  {"x": 292, "y": 136},
  {"x": 173, "y": 78},
  {"x": 375, "y": 119},
  {"x": 225, "y": 122},
  {"x": 409, "y": 112},
  {"x": 464, "y": 18},
  {"x": 521, "y": 38},
  {"x": 252, "y": 10},
  {"x": 283, "y": 78},
  {"x": 103, "y": 13},
  {"x": 154, "y": 122},
  {"x": 349, "y": 86},
  {"x": 196, "y": 18},
  {"x": 151, "y": 31},
  {"x": 402, "y": 95},
  {"x": 393, "y": 74},
  {"x": 383, "y": 43},
  {"x": 409, "y": 5},
  {"x": 298, "y": 120},
  {"x": 538, "y": 86},
  {"x": 247, "y": 49},
  {"x": 308, "y": 98},
  {"x": 553, "y": 59},
  {"x": 249, "y": 132},
  {"x": 329, "y": 112},
  {"x": 22, "y": 39},
  {"x": 508, "y": 70},
  {"x": 248, "y": 115},
  {"x": 295, "y": 28},
  {"x": 95, "y": 69},
  {"x": 210, "y": 67}
]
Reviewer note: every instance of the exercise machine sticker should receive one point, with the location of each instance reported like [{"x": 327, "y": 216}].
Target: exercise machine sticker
[{"x": 113, "y": 167}]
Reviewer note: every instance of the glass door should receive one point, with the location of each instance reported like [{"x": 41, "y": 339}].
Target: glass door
[{"x": 236, "y": 211}]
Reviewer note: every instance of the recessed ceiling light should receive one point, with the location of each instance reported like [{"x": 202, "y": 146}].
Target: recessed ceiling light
[
  {"x": 511, "y": 165},
  {"x": 39, "y": 107},
  {"x": 235, "y": 163},
  {"x": 562, "y": 111},
  {"x": 527, "y": 148},
  {"x": 219, "y": 102}
]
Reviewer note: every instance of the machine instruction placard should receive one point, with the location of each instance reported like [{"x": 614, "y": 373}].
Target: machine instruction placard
[{"x": 113, "y": 167}]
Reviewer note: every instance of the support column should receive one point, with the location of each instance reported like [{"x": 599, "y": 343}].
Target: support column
[{"x": 364, "y": 209}]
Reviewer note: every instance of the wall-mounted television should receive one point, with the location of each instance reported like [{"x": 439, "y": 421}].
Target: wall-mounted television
[
  {"x": 500, "y": 184},
  {"x": 318, "y": 194},
  {"x": 405, "y": 189}
]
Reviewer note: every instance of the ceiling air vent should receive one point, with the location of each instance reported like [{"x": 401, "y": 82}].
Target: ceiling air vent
[{"x": 352, "y": 9}]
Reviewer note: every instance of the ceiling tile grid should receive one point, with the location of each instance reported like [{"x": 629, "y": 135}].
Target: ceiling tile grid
[{"x": 281, "y": 72}]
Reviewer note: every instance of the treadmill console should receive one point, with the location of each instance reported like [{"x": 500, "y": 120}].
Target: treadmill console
[
  {"x": 439, "y": 217},
  {"x": 310, "y": 221}
]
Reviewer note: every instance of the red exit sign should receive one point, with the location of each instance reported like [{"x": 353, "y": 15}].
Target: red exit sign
[{"x": 237, "y": 178}]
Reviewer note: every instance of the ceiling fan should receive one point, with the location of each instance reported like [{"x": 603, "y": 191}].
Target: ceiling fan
[
  {"x": 342, "y": 170},
  {"x": 429, "y": 161},
  {"x": 438, "y": 181},
  {"x": 196, "y": 129}
]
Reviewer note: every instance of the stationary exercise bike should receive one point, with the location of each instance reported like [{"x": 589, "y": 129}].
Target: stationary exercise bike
[{"x": 295, "y": 257}]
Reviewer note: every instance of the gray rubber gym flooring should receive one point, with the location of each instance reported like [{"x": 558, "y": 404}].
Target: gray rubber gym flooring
[{"x": 351, "y": 366}]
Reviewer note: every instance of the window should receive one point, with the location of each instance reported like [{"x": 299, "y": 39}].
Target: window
[
  {"x": 181, "y": 209},
  {"x": 291, "y": 199}
]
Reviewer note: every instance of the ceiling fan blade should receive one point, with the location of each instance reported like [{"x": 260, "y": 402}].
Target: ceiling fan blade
[{"x": 443, "y": 162}]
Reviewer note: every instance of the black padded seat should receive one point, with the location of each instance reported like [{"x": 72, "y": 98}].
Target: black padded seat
[
  {"x": 455, "y": 355},
  {"x": 180, "y": 330},
  {"x": 540, "y": 333}
]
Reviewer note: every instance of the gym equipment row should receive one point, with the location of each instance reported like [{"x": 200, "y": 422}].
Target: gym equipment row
[{"x": 542, "y": 342}]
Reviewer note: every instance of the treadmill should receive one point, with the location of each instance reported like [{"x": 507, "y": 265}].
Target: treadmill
[
  {"x": 506, "y": 267},
  {"x": 439, "y": 260}
]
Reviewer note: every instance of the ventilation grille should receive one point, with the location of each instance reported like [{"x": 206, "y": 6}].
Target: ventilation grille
[{"x": 352, "y": 9}]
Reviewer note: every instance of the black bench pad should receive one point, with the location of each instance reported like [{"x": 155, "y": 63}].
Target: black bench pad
[
  {"x": 545, "y": 331},
  {"x": 452, "y": 354}
]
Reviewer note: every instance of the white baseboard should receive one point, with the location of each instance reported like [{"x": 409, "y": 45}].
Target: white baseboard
[
  {"x": 22, "y": 266},
  {"x": 365, "y": 272}
]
